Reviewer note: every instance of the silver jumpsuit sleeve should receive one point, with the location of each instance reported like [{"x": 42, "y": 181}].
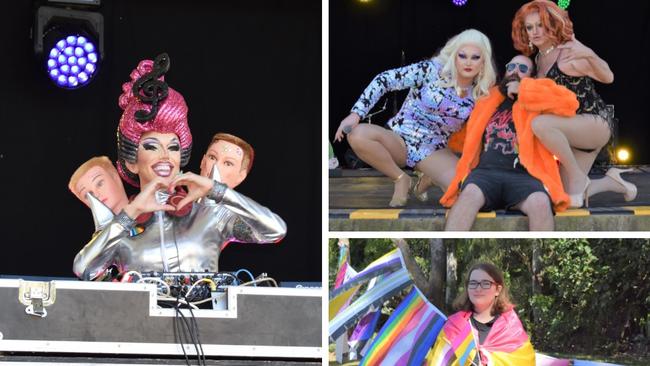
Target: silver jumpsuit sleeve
[
  {"x": 102, "y": 250},
  {"x": 251, "y": 222}
]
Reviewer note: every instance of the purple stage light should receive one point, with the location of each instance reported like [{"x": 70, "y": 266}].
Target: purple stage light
[
  {"x": 72, "y": 63},
  {"x": 459, "y": 2},
  {"x": 90, "y": 68}
]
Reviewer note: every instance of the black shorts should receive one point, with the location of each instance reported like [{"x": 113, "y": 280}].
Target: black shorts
[{"x": 503, "y": 188}]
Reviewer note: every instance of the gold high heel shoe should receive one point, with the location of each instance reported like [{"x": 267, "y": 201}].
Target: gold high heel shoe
[
  {"x": 580, "y": 199},
  {"x": 630, "y": 189},
  {"x": 424, "y": 196},
  {"x": 400, "y": 201}
]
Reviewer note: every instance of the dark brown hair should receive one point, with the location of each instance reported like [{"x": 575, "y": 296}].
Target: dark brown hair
[{"x": 502, "y": 303}]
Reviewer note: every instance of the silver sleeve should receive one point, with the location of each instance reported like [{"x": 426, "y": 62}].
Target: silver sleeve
[
  {"x": 251, "y": 222},
  {"x": 101, "y": 251}
]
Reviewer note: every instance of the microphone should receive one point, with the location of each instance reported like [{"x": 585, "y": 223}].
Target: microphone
[{"x": 162, "y": 197}]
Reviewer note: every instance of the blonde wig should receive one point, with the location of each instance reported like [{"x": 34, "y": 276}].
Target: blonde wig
[{"x": 447, "y": 57}]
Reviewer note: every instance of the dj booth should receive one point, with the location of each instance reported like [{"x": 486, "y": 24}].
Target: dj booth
[{"x": 108, "y": 318}]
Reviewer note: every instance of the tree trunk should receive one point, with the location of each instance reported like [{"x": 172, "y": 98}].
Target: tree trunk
[
  {"x": 438, "y": 272},
  {"x": 412, "y": 266},
  {"x": 432, "y": 287},
  {"x": 536, "y": 285},
  {"x": 452, "y": 278}
]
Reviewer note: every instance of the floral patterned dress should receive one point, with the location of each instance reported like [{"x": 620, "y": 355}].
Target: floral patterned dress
[{"x": 430, "y": 113}]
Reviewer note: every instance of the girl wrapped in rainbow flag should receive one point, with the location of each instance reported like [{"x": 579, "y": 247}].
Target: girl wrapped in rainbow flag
[{"x": 486, "y": 329}]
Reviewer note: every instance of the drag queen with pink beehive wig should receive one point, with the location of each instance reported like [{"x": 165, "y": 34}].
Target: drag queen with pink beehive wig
[
  {"x": 150, "y": 105},
  {"x": 188, "y": 230}
]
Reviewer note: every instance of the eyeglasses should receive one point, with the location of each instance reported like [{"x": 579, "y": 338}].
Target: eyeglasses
[
  {"x": 522, "y": 67},
  {"x": 485, "y": 284}
]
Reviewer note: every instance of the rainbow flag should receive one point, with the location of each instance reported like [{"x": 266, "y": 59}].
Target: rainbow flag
[
  {"x": 388, "y": 263},
  {"x": 408, "y": 334},
  {"x": 455, "y": 345},
  {"x": 345, "y": 271},
  {"x": 374, "y": 297},
  {"x": 341, "y": 302},
  {"x": 358, "y": 341},
  {"x": 506, "y": 344}
]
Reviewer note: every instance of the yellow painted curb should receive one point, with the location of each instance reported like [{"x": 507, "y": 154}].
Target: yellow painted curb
[
  {"x": 639, "y": 210},
  {"x": 375, "y": 214},
  {"x": 574, "y": 212}
]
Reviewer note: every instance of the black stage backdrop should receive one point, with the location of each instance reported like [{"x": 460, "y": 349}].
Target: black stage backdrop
[
  {"x": 367, "y": 38},
  {"x": 250, "y": 68}
]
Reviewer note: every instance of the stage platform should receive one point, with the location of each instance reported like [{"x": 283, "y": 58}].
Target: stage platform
[{"x": 358, "y": 201}]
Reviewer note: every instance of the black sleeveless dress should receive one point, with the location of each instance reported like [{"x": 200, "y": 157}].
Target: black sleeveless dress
[{"x": 585, "y": 90}]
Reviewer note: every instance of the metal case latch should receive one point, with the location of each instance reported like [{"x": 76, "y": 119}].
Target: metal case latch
[{"x": 36, "y": 295}]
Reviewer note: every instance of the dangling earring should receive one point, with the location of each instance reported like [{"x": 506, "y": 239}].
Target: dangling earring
[{"x": 530, "y": 45}]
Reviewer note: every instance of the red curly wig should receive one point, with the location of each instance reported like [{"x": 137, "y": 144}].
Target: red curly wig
[{"x": 556, "y": 21}]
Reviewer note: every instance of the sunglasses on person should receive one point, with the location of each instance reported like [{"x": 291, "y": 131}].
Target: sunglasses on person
[
  {"x": 522, "y": 67},
  {"x": 485, "y": 284}
]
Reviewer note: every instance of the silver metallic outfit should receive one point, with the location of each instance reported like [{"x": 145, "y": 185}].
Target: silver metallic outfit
[{"x": 191, "y": 243}]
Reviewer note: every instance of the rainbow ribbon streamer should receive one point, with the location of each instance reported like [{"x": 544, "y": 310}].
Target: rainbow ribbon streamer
[
  {"x": 345, "y": 271},
  {"x": 374, "y": 297},
  {"x": 409, "y": 333},
  {"x": 388, "y": 263}
]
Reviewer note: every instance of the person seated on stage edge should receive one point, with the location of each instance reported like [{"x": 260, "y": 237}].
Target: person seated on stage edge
[
  {"x": 154, "y": 142},
  {"x": 504, "y": 165},
  {"x": 487, "y": 317},
  {"x": 542, "y": 28},
  {"x": 442, "y": 93},
  {"x": 231, "y": 156}
]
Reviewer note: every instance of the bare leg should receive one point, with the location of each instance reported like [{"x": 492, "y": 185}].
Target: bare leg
[
  {"x": 537, "y": 207},
  {"x": 604, "y": 184},
  {"x": 385, "y": 151},
  {"x": 463, "y": 213},
  {"x": 585, "y": 161},
  {"x": 440, "y": 167},
  {"x": 559, "y": 134}
]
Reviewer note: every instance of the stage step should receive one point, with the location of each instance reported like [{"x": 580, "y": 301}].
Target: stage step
[{"x": 358, "y": 202}]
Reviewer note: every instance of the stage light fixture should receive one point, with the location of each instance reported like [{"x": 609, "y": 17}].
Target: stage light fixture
[
  {"x": 564, "y": 4},
  {"x": 459, "y": 2},
  {"x": 70, "y": 42},
  {"x": 623, "y": 155}
]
